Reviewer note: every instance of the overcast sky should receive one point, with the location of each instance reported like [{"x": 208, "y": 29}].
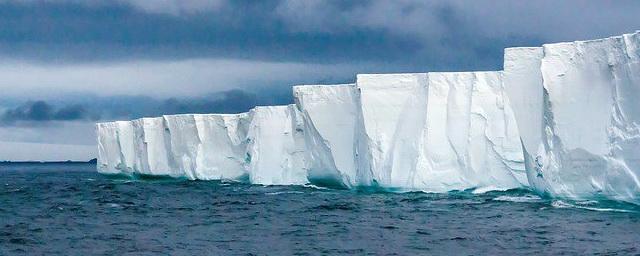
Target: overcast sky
[{"x": 65, "y": 64}]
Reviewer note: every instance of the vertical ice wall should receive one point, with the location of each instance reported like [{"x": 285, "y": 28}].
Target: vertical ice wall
[
  {"x": 588, "y": 137},
  {"x": 391, "y": 117},
  {"x": 108, "y": 148},
  {"x": 125, "y": 134},
  {"x": 329, "y": 116},
  {"x": 184, "y": 143},
  {"x": 156, "y": 146},
  {"x": 438, "y": 132},
  {"x": 275, "y": 151},
  {"x": 220, "y": 154},
  {"x": 523, "y": 84},
  {"x": 116, "y": 149},
  {"x": 471, "y": 138}
]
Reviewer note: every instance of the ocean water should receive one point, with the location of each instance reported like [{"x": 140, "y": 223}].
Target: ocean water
[{"x": 69, "y": 209}]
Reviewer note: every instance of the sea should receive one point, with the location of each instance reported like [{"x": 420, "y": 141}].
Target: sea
[{"x": 70, "y": 209}]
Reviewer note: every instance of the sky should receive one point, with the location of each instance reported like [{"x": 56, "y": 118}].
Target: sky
[{"x": 66, "y": 64}]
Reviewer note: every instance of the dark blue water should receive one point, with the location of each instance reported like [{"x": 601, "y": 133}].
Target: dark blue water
[{"x": 71, "y": 210}]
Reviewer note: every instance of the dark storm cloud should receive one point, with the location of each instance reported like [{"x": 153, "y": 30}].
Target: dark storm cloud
[
  {"x": 91, "y": 107},
  {"x": 233, "y": 101},
  {"x": 41, "y": 111},
  {"x": 226, "y": 102},
  {"x": 70, "y": 30},
  {"x": 398, "y": 36}
]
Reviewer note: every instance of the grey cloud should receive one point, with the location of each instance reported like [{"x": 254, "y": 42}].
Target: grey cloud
[
  {"x": 164, "y": 79},
  {"x": 177, "y": 7},
  {"x": 41, "y": 111},
  {"x": 88, "y": 108},
  {"x": 405, "y": 34}
]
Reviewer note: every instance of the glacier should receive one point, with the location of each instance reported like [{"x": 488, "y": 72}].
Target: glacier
[{"x": 561, "y": 119}]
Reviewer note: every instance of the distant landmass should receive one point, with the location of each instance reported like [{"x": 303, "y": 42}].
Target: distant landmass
[{"x": 92, "y": 161}]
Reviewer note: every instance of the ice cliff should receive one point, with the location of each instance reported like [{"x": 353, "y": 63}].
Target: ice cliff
[
  {"x": 431, "y": 132},
  {"x": 437, "y": 132},
  {"x": 561, "y": 119},
  {"x": 578, "y": 114}
]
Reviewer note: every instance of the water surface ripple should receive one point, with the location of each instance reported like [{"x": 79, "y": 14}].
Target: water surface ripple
[{"x": 70, "y": 209}]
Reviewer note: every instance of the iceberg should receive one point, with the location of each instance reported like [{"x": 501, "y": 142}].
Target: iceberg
[{"x": 561, "y": 119}]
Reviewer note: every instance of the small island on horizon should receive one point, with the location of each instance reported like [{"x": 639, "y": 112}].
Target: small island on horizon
[{"x": 91, "y": 161}]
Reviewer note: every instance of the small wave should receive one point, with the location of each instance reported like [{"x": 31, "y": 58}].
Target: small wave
[
  {"x": 563, "y": 204},
  {"x": 284, "y": 192},
  {"x": 314, "y": 186},
  {"x": 482, "y": 190},
  {"x": 344, "y": 206},
  {"x": 14, "y": 190},
  {"x": 587, "y": 202},
  {"x": 519, "y": 199}
]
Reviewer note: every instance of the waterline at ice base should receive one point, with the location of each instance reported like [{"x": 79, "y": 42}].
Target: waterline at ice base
[{"x": 562, "y": 119}]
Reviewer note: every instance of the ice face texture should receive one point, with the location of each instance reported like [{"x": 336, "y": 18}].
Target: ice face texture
[
  {"x": 583, "y": 105},
  {"x": 155, "y": 148},
  {"x": 471, "y": 138},
  {"x": 329, "y": 116},
  {"x": 108, "y": 148},
  {"x": 275, "y": 150},
  {"x": 125, "y": 133},
  {"x": 438, "y": 132},
  {"x": 266, "y": 146},
  {"x": 221, "y": 153},
  {"x": 391, "y": 115}
]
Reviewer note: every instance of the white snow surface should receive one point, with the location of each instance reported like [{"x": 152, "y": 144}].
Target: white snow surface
[{"x": 562, "y": 119}]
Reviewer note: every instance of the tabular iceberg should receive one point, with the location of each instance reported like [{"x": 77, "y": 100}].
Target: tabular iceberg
[{"x": 561, "y": 119}]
